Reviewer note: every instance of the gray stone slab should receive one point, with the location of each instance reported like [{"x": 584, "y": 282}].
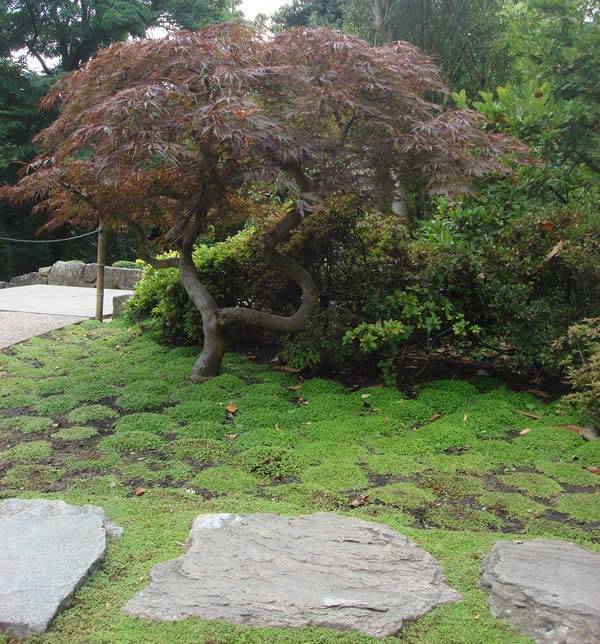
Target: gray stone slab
[
  {"x": 322, "y": 570},
  {"x": 119, "y": 304},
  {"x": 27, "y": 280},
  {"x": 56, "y": 300},
  {"x": 66, "y": 273},
  {"x": 549, "y": 590},
  {"x": 122, "y": 278},
  {"x": 16, "y": 326},
  {"x": 47, "y": 550}
]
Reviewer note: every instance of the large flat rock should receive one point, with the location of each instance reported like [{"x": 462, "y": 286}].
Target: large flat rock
[
  {"x": 323, "y": 570},
  {"x": 47, "y": 550},
  {"x": 549, "y": 590}
]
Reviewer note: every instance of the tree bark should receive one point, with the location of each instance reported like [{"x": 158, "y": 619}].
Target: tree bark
[
  {"x": 215, "y": 344},
  {"x": 215, "y": 320},
  {"x": 209, "y": 361}
]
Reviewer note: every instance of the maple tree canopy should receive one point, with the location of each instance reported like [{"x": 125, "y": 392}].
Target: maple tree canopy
[{"x": 164, "y": 133}]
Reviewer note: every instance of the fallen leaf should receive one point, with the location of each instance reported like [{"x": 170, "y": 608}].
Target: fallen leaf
[
  {"x": 593, "y": 469},
  {"x": 365, "y": 395},
  {"x": 555, "y": 250},
  {"x": 530, "y": 414},
  {"x": 435, "y": 416},
  {"x": 359, "y": 500},
  {"x": 295, "y": 387},
  {"x": 525, "y": 431},
  {"x": 547, "y": 226},
  {"x": 55, "y": 425},
  {"x": 139, "y": 491},
  {"x": 231, "y": 437},
  {"x": 231, "y": 408}
]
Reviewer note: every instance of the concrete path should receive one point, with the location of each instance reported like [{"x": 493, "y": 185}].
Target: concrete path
[
  {"x": 56, "y": 300},
  {"x": 26, "y": 311},
  {"x": 16, "y": 327}
]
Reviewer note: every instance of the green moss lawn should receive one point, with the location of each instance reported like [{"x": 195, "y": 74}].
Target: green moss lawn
[{"x": 93, "y": 413}]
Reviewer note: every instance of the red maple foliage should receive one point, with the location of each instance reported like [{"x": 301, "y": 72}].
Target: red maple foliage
[{"x": 164, "y": 133}]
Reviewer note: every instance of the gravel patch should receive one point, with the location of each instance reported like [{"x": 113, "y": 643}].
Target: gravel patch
[{"x": 16, "y": 326}]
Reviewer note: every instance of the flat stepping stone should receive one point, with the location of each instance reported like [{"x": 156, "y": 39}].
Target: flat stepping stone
[
  {"x": 318, "y": 570},
  {"x": 47, "y": 550},
  {"x": 549, "y": 590}
]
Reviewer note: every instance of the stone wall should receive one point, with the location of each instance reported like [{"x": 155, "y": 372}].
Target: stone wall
[{"x": 78, "y": 274}]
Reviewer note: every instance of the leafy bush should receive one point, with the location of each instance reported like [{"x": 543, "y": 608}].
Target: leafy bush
[
  {"x": 580, "y": 355},
  {"x": 224, "y": 267},
  {"x": 124, "y": 263},
  {"x": 498, "y": 275}
]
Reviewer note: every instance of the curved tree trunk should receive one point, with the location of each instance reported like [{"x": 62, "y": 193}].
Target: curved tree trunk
[
  {"x": 216, "y": 320},
  {"x": 215, "y": 344},
  {"x": 209, "y": 361}
]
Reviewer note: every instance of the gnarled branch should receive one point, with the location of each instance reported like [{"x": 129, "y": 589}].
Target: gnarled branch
[
  {"x": 310, "y": 294},
  {"x": 147, "y": 256}
]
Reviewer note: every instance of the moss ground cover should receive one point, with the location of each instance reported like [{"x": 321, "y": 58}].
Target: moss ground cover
[{"x": 258, "y": 440}]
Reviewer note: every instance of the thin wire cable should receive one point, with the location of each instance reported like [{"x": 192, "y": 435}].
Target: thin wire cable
[{"x": 47, "y": 241}]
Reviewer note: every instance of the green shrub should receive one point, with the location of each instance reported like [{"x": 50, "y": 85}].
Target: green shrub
[
  {"x": 225, "y": 268},
  {"x": 580, "y": 355},
  {"x": 394, "y": 295},
  {"x": 125, "y": 263}
]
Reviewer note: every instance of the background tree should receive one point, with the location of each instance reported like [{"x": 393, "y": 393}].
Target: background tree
[
  {"x": 20, "y": 90},
  {"x": 311, "y": 13},
  {"x": 557, "y": 43},
  {"x": 464, "y": 36},
  {"x": 61, "y": 36},
  {"x": 71, "y": 32},
  {"x": 164, "y": 133}
]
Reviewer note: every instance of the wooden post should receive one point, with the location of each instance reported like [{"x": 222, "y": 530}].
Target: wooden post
[{"x": 100, "y": 273}]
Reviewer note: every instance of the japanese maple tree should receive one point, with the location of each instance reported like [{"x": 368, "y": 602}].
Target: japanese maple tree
[{"x": 163, "y": 135}]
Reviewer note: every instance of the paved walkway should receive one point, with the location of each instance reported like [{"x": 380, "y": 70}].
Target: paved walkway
[
  {"x": 16, "y": 326},
  {"x": 26, "y": 311}
]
